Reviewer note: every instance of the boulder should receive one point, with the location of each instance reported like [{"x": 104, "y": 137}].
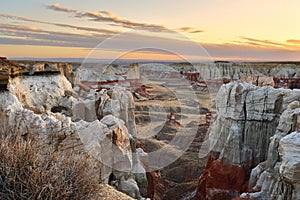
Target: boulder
[{"x": 129, "y": 187}]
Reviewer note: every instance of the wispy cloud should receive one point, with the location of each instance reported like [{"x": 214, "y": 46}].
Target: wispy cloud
[
  {"x": 19, "y": 34},
  {"x": 190, "y": 30},
  {"x": 196, "y": 31},
  {"x": 288, "y": 45},
  {"x": 58, "y": 7},
  {"x": 90, "y": 29},
  {"x": 114, "y": 20},
  {"x": 88, "y": 37},
  {"x": 106, "y": 16},
  {"x": 264, "y": 42},
  {"x": 29, "y": 35}
]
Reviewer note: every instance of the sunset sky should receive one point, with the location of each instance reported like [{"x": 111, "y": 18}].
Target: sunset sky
[{"x": 253, "y": 30}]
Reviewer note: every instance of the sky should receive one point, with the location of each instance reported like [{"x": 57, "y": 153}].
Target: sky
[{"x": 237, "y": 30}]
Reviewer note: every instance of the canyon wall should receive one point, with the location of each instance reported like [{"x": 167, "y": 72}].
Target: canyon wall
[
  {"x": 239, "y": 139},
  {"x": 278, "y": 176},
  {"x": 235, "y": 71}
]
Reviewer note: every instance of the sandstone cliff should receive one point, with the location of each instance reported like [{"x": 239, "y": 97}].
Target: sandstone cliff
[
  {"x": 278, "y": 177},
  {"x": 239, "y": 138},
  {"x": 40, "y": 105}
]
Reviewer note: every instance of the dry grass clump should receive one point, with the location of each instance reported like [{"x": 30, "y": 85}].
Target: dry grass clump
[{"x": 26, "y": 174}]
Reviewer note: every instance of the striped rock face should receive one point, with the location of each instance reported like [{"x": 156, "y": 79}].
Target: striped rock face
[{"x": 251, "y": 123}]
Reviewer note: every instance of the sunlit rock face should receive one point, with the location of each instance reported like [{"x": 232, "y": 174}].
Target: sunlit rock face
[
  {"x": 40, "y": 105},
  {"x": 109, "y": 142},
  {"x": 42, "y": 93},
  {"x": 258, "y": 80},
  {"x": 240, "y": 136},
  {"x": 120, "y": 103},
  {"x": 117, "y": 101},
  {"x": 26, "y": 108}
]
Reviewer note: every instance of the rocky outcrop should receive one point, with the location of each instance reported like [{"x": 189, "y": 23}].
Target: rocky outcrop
[
  {"x": 289, "y": 172},
  {"x": 116, "y": 101},
  {"x": 239, "y": 138},
  {"x": 96, "y": 72},
  {"x": 277, "y": 177},
  {"x": 41, "y": 106},
  {"x": 8, "y": 69},
  {"x": 107, "y": 141},
  {"x": 221, "y": 181},
  {"x": 120, "y": 103},
  {"x": 258, "y": 80},
  {"x": 236, "y": 71},
  {"x": 43, "y": 93},
  {"x": 110, "y": 143}
]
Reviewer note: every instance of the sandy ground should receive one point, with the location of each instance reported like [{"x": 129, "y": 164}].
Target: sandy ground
[{"x": 107, "y": 192}]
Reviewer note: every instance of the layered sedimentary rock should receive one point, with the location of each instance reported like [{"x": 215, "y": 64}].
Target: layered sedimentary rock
[
  {"x": 96, "y": 72},
  {"x": 278, "y": 177},
  {"x": 95, "y": 105},
  {"x": 108, "y": 138},
  {"x": 235, "y": 71},
  {"x": 110, "y": 143},
  {"x": 7, "y": 69},
  {"x": 38, "y": 105},
  {"x": 239, "y": 138},
  {"x": 289, "y": 171}
]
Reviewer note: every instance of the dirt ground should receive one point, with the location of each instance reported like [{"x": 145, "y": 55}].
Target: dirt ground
[{"x": 152, "y": 115}]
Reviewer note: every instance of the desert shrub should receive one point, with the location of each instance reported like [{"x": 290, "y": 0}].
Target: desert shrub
[{"x": 27, "y": 174}]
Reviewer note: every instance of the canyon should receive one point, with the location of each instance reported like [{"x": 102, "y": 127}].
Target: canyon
[{"x": 164, "y": 131}]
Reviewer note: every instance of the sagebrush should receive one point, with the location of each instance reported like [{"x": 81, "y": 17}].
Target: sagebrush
[{"x": 26, "y": 173}]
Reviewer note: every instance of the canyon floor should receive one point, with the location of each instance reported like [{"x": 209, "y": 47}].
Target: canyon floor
[{"x": 180, "y": 178}]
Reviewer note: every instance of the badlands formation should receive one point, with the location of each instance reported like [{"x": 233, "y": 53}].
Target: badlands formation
[
  {"x": 253, "y": 144},
  {"x": 246, "y": 140}
]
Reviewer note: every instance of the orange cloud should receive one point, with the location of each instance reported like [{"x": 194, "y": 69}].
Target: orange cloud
[{"x": 293, "y": 41}]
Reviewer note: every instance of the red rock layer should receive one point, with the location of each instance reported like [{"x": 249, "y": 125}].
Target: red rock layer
[
  {"x": 156, "y": 185},
  {"x": 220, "y": 181}
]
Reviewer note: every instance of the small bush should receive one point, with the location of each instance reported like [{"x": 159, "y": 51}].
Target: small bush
[{"x": 27, "y": 174}]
